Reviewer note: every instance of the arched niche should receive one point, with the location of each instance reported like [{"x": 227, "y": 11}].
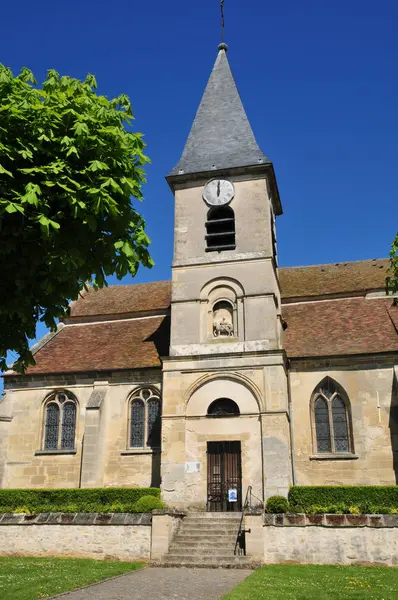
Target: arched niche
[
  {"x": 222, "y": 310},
  {"x": 221, "y": 387}
]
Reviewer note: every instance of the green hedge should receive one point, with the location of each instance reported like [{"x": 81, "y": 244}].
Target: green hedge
[
  {"x": 75, "y": 500},
  {"x": 366, "y": 497}
]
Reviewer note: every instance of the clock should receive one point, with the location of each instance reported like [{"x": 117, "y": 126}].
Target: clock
[{"x": 218, "y": 192}]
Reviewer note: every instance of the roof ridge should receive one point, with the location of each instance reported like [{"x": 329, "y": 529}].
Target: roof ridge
[{"x": 336, "y": 264}]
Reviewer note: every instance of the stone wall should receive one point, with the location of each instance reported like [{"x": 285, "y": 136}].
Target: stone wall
[
  {"x": 102, "y": 536},
  {"x": 331, "y": 539},
  {"x": 103, "y": 459},
  {"x": 374, "y": 404}
]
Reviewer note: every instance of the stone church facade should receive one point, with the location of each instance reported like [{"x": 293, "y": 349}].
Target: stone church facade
[{"x": 235, "y": 373}]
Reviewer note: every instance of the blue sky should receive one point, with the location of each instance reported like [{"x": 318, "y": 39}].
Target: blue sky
[{"x": 318, "y": 81}]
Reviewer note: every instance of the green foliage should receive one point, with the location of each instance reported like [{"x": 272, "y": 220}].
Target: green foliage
[
  {"x": 277, "y": 504},
  {"x": 340, "y": 499},
  {"x": 392, "y": 279},
  {"x": 76, "y": 500},
  {"x": 69, "y": 170},
  {"x": 148, "y": 503}
]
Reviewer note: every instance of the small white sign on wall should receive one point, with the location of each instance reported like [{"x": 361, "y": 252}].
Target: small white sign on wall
[{"x": 192, "y": 467}]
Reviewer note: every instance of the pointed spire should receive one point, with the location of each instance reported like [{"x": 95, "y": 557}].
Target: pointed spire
[{"x": 221, "y": 136}]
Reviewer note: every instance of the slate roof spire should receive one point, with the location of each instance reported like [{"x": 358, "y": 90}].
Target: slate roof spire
[{"x": 221, "y": 136}]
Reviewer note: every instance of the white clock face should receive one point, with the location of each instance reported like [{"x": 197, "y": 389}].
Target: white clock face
[{"x": 218, "y": 192}]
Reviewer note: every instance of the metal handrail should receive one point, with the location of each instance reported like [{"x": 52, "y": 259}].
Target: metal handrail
[{"x": 241, "y": 531}]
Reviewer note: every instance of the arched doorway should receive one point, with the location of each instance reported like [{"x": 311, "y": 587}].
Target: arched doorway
[{"x": 224, "y": 464}]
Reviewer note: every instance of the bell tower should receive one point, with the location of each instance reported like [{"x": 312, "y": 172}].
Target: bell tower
[{"x": 226, "y": 311}]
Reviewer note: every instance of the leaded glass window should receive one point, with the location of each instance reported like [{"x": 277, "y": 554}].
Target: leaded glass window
[
  {"x": 322, "y": 426},
  {"x": 145, "y": 419},
  {"x": 340, "y": 429},
  {"x": 68, "y": 426},
  {"x": 137, "y": 427},
  {"x": 332, "y": 423},
  {"x": 52, "y": 425},
  {"x": 153, "y": 406},
  {"x": 60, "y": 422}
]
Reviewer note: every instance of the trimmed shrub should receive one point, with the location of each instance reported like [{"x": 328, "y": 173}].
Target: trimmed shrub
[
  {"x": 277, "y": 504},
  {"x": 366, "y": 497},
  {"x": 148, "y": 503},
  {"x": 74, "y": 500}
]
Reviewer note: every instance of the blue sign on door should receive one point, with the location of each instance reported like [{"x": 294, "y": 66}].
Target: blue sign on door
[{"x": 232, "y": 495}]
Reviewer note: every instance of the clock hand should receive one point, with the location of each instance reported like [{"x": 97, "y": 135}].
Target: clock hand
[{"x": 218, "y": 188}]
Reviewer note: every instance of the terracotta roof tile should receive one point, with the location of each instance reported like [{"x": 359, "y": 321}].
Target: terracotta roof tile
[
  {"x": 338, "y": 327},
  {"x": 132, "y": 344},
  {"x": 123, "y": 299},
  {"x": 325, "y": 328},
  {"x": 342, "y": 279}
]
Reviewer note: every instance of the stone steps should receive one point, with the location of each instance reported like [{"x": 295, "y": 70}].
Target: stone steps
[
  {"x": 207, "y": 540},
  {"x": 238, "y": 563}
]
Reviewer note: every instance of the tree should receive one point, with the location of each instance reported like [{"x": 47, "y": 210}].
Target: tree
[
  {"x": 68, "y": 170},
  {"x": 392, "y": 280}
]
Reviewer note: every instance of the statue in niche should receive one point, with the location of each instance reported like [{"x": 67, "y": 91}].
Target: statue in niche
[{"x": 223, "y": 325}]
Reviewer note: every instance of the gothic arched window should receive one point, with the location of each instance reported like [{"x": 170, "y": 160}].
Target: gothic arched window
[
  {"x": 223, "y": 407},
  {"x": 332, "y": 419},
  {"x": 220, "y": 229},
  {"x": 60, "y": 422},
  {"x": 145, "y": 419}
]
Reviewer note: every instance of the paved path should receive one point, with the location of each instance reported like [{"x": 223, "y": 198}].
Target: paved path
[{"x": 164, "y": 584}]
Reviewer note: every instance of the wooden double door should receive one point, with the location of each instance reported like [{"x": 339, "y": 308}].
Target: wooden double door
[{"x": 224, "y": 477}]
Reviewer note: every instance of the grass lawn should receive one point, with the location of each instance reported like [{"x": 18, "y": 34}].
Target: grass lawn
[
  {"x": 318, "y": 582},
  {"x": 32, "y": 578}
]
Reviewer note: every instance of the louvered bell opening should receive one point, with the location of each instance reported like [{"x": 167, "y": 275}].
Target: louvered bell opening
[{"x": 220, "y": 229}]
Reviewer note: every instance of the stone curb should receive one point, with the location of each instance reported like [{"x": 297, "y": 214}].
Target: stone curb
[
  {"x": 329, "y": 520},
  {"x": 98, "y": 519}
]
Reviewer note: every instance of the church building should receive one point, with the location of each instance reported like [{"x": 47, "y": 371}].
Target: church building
[{"x": 237, "y": 373}]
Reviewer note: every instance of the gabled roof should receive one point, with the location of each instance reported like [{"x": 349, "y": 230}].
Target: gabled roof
[
  {"x": 115, "y": 345},
  {"x": 340, "y": 327},
  {"x": 336, "y": 280},
  {"x": 127, "y": 326},
  {"x": 135, "y": 299},
  {"x": 221, "y": 136}
]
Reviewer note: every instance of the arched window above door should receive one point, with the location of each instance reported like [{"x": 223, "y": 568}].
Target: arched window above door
[{"x": 223, "y": 407}]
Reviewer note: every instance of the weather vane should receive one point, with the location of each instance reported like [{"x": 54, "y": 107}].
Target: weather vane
[{"x": 222, "y": 21}]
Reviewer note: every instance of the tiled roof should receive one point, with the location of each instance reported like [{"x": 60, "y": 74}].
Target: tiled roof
[
  {"x": 344, "y": 279},
  {"x": 338, "y": 327},
  {"x": 321, "y": 328},
  {"x": 130, "y": 344},
  {"x": 221, "y": 136},
  {"x": 123, "y": 299},
  {"x": 341, "y": 279}
]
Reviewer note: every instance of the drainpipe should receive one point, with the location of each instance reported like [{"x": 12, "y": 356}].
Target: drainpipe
[{"x": 289, "y": 393}]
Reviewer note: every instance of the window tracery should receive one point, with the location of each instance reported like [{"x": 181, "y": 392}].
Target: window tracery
[
  {"x": 60, "y": 422},
  {"x": 145, "y": 419},
  {"x": 332, "y": 419}
]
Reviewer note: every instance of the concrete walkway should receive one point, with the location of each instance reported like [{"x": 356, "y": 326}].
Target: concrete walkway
[{"x": 164, "y": 584}]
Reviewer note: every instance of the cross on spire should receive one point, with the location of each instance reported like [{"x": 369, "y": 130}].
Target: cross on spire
[{"x": 222, "y": 21}]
